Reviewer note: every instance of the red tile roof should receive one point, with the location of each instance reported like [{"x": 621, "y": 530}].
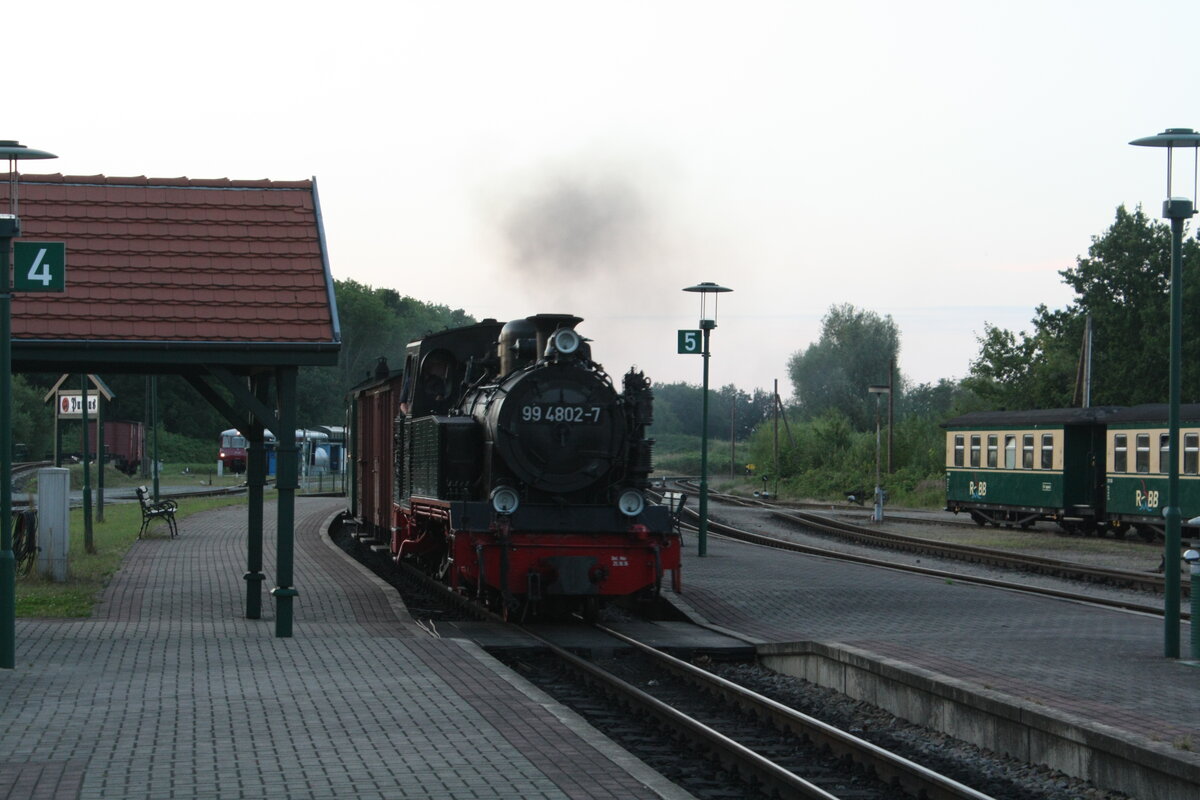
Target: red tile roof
[{"x": 175, "y": 260}]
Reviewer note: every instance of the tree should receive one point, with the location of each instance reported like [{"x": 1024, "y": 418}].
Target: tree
[
  {"x": 678, "y": 408},
  {"x": 856, "y": 349},
  {"x": 1123, "y": 285}
]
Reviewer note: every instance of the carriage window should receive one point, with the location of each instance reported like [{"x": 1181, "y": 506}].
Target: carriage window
[
  {"x": 959, "y": 444},
  {"x": 1164, "y": 452},
  {"x": 1047, "y": 451},
  {"x": 974, "y": 451},
  {"x": 1143, "y": 452},
  {"x": 1120, "y": 453},
  {"x": 1191, "y": 453},
  {"x": 1027, "y": 451},
  {"x": 1010, "y": 452},
  {"x": 993, "y": 451}
]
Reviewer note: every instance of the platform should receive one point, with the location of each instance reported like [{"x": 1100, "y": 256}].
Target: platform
[
  {"x": 1084, "y": 688},
  {"x": 168, "y": 692}
]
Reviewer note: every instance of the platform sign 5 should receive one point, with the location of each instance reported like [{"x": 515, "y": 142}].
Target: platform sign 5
[
  {"x": 690, "y": 342},
  {"x": 40, "y": 266}
]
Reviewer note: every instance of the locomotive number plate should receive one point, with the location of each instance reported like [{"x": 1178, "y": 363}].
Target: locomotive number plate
[{"x": 579, "y": 415}]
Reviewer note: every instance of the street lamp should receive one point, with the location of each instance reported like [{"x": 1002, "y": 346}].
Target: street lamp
[
  {"x": 1177, "y": 210},
  {"x": 10, "y": 227},
  {"x": 878, "y": 390},
  {"x": 707, "y": 323}
]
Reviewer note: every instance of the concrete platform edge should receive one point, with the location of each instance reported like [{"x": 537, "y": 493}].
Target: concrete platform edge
[
  {"x": 998, "y": 722},
  {"x": 393, "y": 598}
]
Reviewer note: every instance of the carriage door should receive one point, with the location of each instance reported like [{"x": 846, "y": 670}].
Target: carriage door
[{"x": 1083, "y": 468}]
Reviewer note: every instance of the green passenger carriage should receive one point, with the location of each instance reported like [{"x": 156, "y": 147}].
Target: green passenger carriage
[
  {"x": 1018, "y": 467},
  {"x": 1137, "y": 454}
]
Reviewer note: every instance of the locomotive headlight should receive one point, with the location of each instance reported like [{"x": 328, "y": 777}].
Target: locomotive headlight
[
  {"x": 631, "y": 502},
  {"x": 505, "y": 500},
  {"x": 565, "y": 341}
]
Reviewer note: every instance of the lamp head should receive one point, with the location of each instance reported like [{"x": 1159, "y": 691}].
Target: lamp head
[
  {"x": 14, "y": 151},
  {"x": 705, "y": 289},
  {"x": 1172, "y": 138}
]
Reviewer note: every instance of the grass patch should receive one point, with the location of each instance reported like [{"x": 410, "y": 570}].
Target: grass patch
[
  {"x": 89, "y": 573},
  {"x": 171, "y": 475}
]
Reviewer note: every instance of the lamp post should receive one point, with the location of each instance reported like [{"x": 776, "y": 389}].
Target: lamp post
[
  {"x": 1177, "y": 210},
  {"x": 877, "y": 390},
  {"x": 707, "y": 323},
  {"x": 10, "y": 227}
]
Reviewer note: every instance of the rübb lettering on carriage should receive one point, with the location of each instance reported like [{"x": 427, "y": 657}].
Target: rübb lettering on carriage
[{"x": 578, "y": 415}]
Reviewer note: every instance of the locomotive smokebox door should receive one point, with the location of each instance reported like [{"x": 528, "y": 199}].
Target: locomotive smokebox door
[{"x": 559, "y": 428}]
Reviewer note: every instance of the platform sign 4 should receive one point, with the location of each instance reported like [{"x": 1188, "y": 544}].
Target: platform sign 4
[
  {"x": 690, "y": 342},
  {"x": 40, "y": 266}
]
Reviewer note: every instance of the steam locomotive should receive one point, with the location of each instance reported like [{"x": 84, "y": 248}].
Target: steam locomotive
[{"x": 503, "y": 460}]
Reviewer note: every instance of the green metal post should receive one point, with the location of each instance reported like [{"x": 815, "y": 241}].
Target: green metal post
[
  {"x": 1192, "y": 556},
  {"x": 89, "y": 541},
  {"x": 350, "y": 461},
  {"x": 8, "y": 562},
  {"x": 1177, "y": 210},
  {"x": 256, "y": 480},
  {"x": 707, "y": 325},
  {"x": 154, "y": 433},
  {"x": 286, "y": 463},
  {"x": 100, "y": 401}
]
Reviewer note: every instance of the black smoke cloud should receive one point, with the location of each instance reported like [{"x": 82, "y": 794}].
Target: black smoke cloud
[{"x": 571, "y": 223}]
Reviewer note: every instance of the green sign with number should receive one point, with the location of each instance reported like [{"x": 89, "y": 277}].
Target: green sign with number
[
  {"x": 40, "y": 266},
  {"x": 690, "y": 342}
]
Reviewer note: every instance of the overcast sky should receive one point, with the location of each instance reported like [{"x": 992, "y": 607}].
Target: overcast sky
[{"x": 939, "y": 162}]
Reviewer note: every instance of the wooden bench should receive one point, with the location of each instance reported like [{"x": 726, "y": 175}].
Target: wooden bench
[{"x": 151, "y": 511}]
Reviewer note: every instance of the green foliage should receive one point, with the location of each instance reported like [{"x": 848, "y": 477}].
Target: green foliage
[
  {"x": 678, "y": 408},
  {"x": 856, "y": 349},
  {"x": 32, "y": 420},
  {"x": 1123, "y": 285}
]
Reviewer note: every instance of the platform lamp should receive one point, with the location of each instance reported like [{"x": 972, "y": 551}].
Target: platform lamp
[
  {"x": 1177, "y": 210},
  {"x": 878, "y": 390},
  {"x": 707, "y": 323},
  {"x": 10, "y": 227}
]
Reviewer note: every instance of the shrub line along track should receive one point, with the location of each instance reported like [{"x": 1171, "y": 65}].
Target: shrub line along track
[
  {"x": 889, "y": 769},
  {"x": 981, "y": 555}
]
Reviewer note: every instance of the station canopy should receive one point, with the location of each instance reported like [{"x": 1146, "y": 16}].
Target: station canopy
[
  {"x": 226, "y": 283},
  {"x": 176, "y": 276}
]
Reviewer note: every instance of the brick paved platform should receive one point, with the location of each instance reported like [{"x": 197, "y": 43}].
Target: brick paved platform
[
  {"x": 167, "y": 692},
  {"x": 1091, "y": 667}
]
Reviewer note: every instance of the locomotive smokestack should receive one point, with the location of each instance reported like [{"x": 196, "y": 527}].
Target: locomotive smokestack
[{"x": 547, "y": 324}]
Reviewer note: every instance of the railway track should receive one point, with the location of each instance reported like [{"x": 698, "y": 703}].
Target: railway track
[
  {"x": 777, "y": 749},
  {"x": 877, "y": 538}
]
